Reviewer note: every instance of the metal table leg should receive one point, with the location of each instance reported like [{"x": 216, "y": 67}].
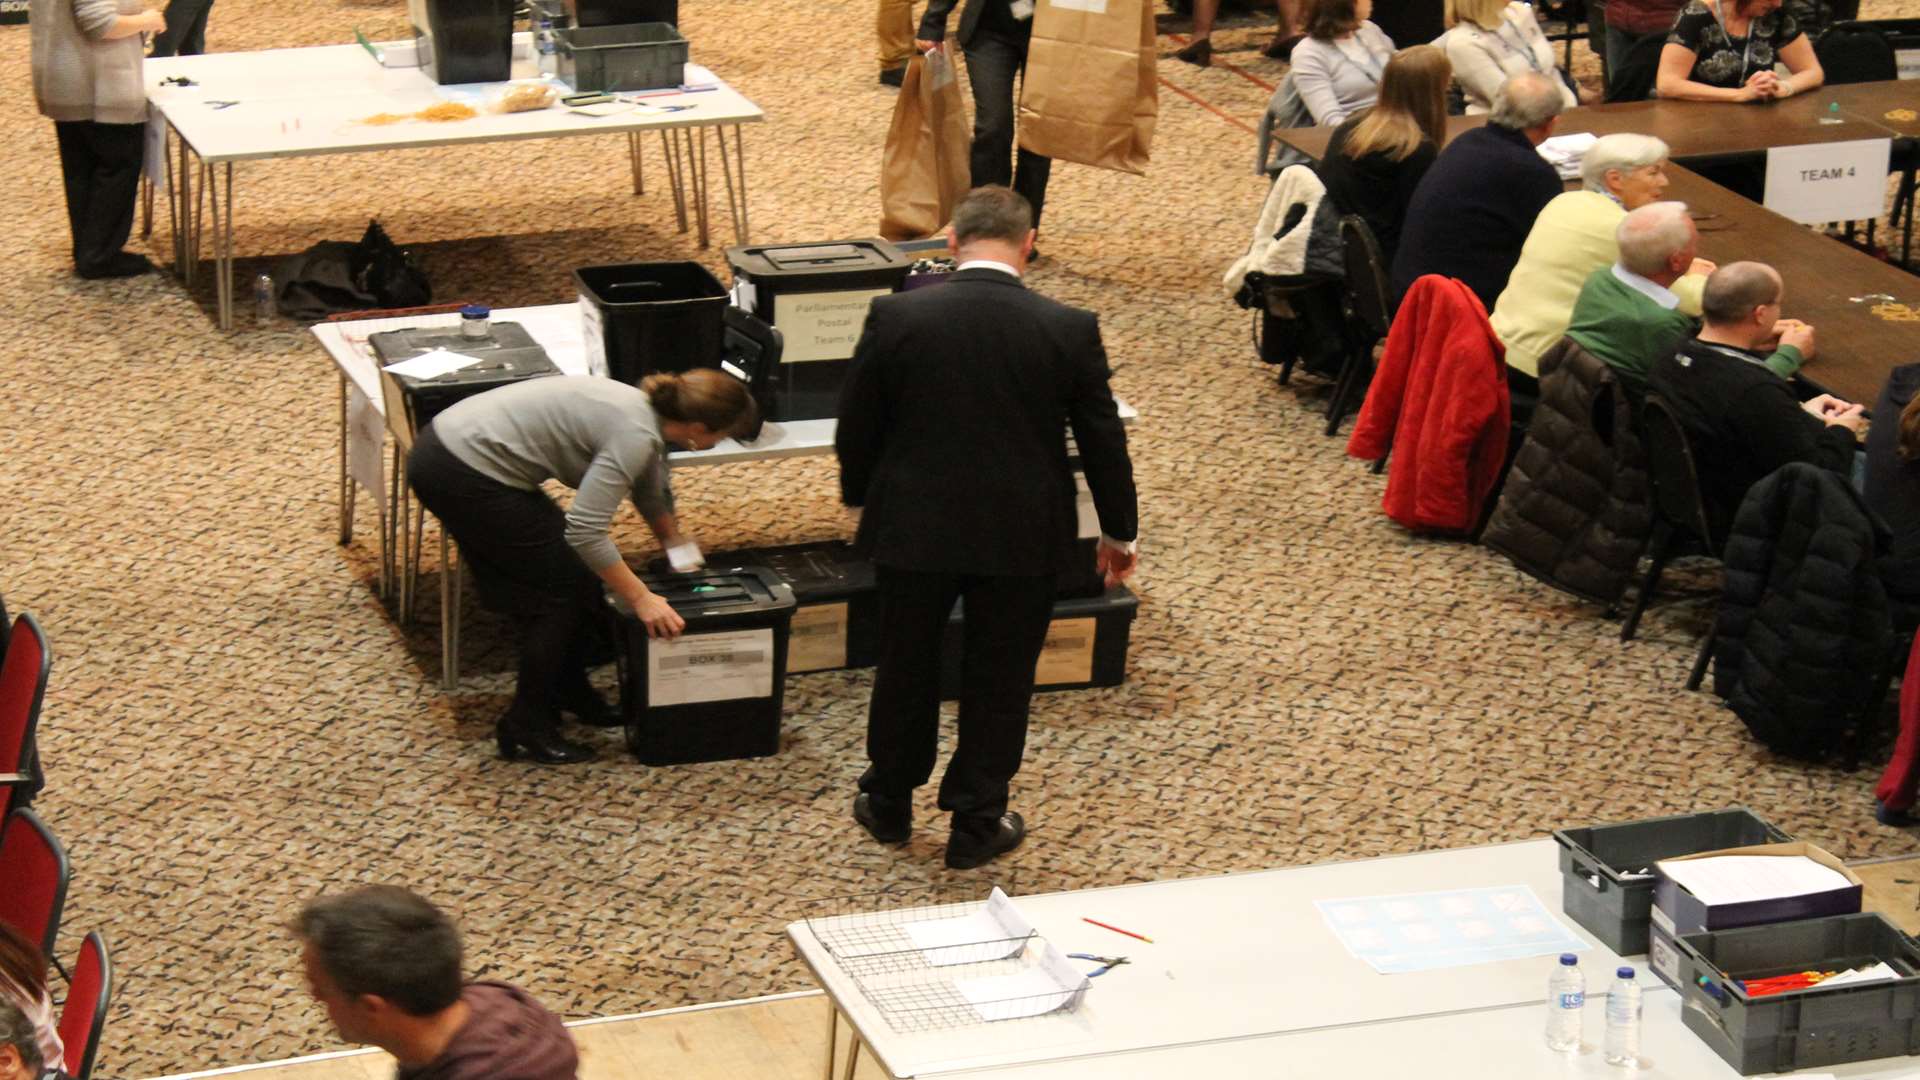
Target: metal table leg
[
  {"x": 699, "y": 166},
  {"x": 221, "y": 176},
  {"x": 736, "y": 202},
  {"x": 670, "y": 149},
  {"x": 449, "y": 612},
  {"x": 346, "y": 481},
  {"x": 634, "y": 161},
  {"x": 853, "y": 1053},
  {"x": 833, "y": 1035}
]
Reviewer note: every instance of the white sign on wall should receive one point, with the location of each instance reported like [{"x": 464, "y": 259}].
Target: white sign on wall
[{"x": 1843, "y": 181}]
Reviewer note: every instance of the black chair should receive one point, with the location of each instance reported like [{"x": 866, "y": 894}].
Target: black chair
[
  {"x": 1634, "y": 77},
  {"x": 1852, "y": 53},
  {"x": 1368, "y": 316},
  {"x": 1679, "y": 512}
]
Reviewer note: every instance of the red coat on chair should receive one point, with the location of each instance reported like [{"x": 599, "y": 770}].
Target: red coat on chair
[{"x": 1439, "y": 402}]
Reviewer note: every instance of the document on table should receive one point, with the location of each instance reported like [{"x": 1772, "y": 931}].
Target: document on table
[
  {"x": 432, "y": 364},
  {"x": 995, "y": 932},
  {"x": 1054, "y": 984},
  {"x": 1564, "y": 152},
  {"x": 1733, "y": 879},
  {"x": 1426, "y": 931}
]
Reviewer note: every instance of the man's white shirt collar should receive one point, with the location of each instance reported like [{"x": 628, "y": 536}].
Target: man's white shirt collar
[
  {"x": 1652, "y": 290},
  {"x": 987, "y": 264}
]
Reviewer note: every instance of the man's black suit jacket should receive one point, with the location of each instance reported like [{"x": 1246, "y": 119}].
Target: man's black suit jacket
[
  {"x": 933, "y": 21},
  {"x": 952, "y": 429}
]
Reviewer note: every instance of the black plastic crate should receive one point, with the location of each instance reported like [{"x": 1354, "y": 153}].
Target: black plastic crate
[
  {"x": 817, "y": 295},
  {"x": 608, "y": 12},
  {"x": 464, "y": 41},
  {"x": 1086, "y": 644},
  {"x": 639, "y": 318},
  {"x": 715, "y": 693},
  {"x": 1607, "y": 870},
  {"x": 629, "y": 56},
  {"x": 836, "y": 620},
  {"x": 1804, "y": 1028}
]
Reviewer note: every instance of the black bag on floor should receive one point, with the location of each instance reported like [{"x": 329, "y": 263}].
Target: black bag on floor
[
  {"x": 333, "y": 276},
  {"x": 390, "y": 274}
]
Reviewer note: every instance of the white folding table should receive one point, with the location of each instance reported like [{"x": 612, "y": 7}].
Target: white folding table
[{"x": 283, "y": 103}]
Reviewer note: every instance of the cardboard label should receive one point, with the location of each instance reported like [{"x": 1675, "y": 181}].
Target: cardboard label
[
  {"x": 593, "y": 338},
  {"x": 817, "y": 638},
  {"x": 721, "y": 666},
  {"x": 824, "y": 325},
  {"x": 1067, "y": 657},
  {"x": 1844, "y": 181},
  {"x": 1664, "y": 959}
]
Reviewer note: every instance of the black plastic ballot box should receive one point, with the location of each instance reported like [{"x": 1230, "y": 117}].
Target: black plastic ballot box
[
  {"x": 508, "y": 354},
  {"x": 639, "y": 318},
  {"x": 1086, "y": 644},
  {"x": 836, "y": 617},
  {"x": 715, "y": 692},
  {"x": 464, "y": 41},
  {"x": 817, "y": 296}
]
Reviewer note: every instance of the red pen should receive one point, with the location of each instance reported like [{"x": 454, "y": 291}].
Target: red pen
[{"x": 1116, "y": 929}]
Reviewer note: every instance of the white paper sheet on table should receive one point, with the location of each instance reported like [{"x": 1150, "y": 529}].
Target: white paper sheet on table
[
  {"x": 1054, "y": 984},
  {"x": 1733, "y": 879},
  {"x": 1564, "y": 152},
  {"x": 994, "y": 932},
  {"x": 1425, "y": 931},
  {"x": 432, "y": 364}
]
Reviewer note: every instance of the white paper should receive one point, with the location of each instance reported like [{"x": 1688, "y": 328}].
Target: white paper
[
  {"x": 685, "y": 557},
  {"x": 1842, "y": 181},
  {"x": 1733, "y": 879},
  {"x": 432, "y": 364},
  {"x": 1564, "y": 152},
  {"x": 822, "y": 325},
  {"x": 1876, "y": 973},
  {"x": 1425, "y": 931},
  {"x": 593, "y": 338},
  {"x": 366, "y": 434},
  {"x": 1054, "y": 984},
  {"x": 722, "y": 666},
  {"x": 995, "y": 932}
]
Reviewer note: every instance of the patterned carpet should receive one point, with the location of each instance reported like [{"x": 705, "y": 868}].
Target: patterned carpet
[{"x": 236, "y": 723}]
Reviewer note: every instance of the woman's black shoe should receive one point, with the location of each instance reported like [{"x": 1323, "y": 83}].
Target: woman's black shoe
[
  {"x": 543, "y": 744},
  {"x": 1199, "y": 54},
  {"x": 588, "y": 707}
]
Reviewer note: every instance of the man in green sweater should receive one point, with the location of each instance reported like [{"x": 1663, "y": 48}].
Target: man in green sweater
[{"x": 1627, "y": 314}]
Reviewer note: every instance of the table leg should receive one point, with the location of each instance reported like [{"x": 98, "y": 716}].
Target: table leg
[
  {"x": 146, "y": 205},
  {"x": 346, "y": 481},
  {"x": 699, "y": 179},
  {"x": 634, "y": 161},
  {"x": 388, "y": 544},
  {"x": 183, "y": 190},
  {"x": 198, "y": 226},
  {"x": 736, "y": 201},
  {"x": 740, "y": 163},
  {"x": 223, "y": 239},
  {"x": 419, "y": 534},
  {"x": 853, "y": 1052},
  {"x": 670, "y": 149},
  {"x": 833, "y": 1035},
  {"x": 449, "y": 612}
]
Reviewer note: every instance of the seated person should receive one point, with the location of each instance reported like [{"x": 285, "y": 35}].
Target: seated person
[
  {"x": 1378, "y": 155},
  {"x": 1725, "y": 50},
  {"x": 1337, "y": 68},
  {"x": 1742, "y": 419},
  {"x": 23, "y": 981},
  {"x": 386, "y": 964},
  {"x": 1488, "y": 41},
  {"x": 1627, "y": 313},
  {"x": 20, "y": 1057},
  {"x": 1572, "y": 238},
  {"x": 1473, "y": 210}
]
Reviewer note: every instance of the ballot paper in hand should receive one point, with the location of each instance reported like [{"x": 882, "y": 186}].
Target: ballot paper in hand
[
  {"x": 1564, "y": 152},
  {"x": 1736, "y": 879},
  {"x": 995, "y": 932},
  {"x": 432, "y": 364}
]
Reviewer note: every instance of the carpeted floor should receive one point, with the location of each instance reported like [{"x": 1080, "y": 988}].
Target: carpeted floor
[{"x": 235, "y": 723}]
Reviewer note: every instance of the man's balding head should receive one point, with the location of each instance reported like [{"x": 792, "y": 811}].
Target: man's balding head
[
  {"x": 1527, "y": 102},
  {"x": 1657, "y": 241},
  {"x": 1737, "y": 290}
]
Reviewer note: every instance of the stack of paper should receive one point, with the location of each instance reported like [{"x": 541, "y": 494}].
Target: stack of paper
[
  {"x": 1564, "y": 152},
  {"x": 1736, "y": 879}
]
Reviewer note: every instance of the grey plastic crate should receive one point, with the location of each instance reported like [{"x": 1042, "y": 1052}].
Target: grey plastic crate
[
  {"x": 632, "y": 56},
  {"x": 1804, "y": 1028},
  {"x": 1599, "y": 863}
]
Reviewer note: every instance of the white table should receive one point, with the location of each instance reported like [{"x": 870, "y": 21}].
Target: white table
[
  {"x": 311, "y": 101},
  {"x": 1236, "y": 957}
]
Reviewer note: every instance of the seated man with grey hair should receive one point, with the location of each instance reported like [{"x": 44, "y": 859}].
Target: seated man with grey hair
[
  {"x": 1572, "y": 238},
  {"x": 1473, "y": 210},
  {"x": 19, "y": 1044},
  {"x": 1742, "y": 419},
  {"x": 1627, "y": 313}
]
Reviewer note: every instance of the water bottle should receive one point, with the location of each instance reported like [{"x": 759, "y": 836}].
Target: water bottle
[
  {"x": 1566, "y": 998},
  {"x": 263, "y": 308},
  {"x": 1623, "y": 1020}
]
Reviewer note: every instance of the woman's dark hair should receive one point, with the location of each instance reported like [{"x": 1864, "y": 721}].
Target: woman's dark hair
[
  {"x": 18, "y": 1032},
  {"x": 385, "y": 941},
  {"x": 703, "y": 396},
  {"x": 22, "y": 965},
  {"x": 1329, "y": 19}
]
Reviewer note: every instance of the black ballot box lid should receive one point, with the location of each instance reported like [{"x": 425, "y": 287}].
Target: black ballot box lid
[
  {"x": 723, "y": 595},
  {"x": 823, "y": 264}
]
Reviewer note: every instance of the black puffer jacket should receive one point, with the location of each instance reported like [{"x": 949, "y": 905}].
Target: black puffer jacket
[
  {"x": 1804, "y": 634},
  {"x": 1575, "y": 511}
]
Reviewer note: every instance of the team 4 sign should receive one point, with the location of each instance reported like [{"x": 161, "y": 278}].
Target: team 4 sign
[{"x": 1843, "y": 181}]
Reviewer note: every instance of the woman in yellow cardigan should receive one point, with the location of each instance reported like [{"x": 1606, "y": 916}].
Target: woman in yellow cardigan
[{"x": 1573, "y": 237}]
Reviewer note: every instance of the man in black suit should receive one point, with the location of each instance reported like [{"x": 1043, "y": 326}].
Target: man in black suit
[
  {"x": 994, "y": 34},
  {"x": 952, "y": 436}
]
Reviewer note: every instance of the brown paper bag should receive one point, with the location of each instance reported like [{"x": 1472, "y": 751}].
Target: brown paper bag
[
  {"x": 924, "y": 170},
  {"x": 1091, "y": 93}
]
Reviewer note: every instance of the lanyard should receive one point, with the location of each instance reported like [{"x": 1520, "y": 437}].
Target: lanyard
[
  {"x": 1373, "y": 67},
  {"x": 1525, "y": 51},
  {"x": 1746, "y": 54},
  {"x": 1737, "y": 354}
]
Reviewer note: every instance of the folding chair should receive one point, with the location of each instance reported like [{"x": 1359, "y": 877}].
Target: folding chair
[
  {"x": 84, "y": 1016},
  {"x": 1678, "y": 510},
  {"x": 1367, "y": 292},
  {"x": 34, "y": 866},
  {"x": 23, "y": 683}
]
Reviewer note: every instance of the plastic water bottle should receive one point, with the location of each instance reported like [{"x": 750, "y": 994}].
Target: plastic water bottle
[
  {"x": 263, "y": 307},
  {"x": 1566, "y": 1000},
  {"x": 1623, "y": 1020}
]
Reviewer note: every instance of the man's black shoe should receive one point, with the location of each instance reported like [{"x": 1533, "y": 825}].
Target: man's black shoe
[
  {"x": 888, "y": 822},
  {"x": 893, "y": 76},
  {"x": 121, "y": 264},
  {"x": 968, "y": 848}
]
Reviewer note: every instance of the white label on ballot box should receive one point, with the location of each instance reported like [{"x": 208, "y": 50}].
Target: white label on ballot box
[
  {"x": 824, "y": 325},
  {"x": 1843, "y": 181},
  {"x": 1067, "y": 657},
  {"x": 1097, "y": 7},
  {"x": 593, "y": 338},
  {"x": 722, "y": 666},
  {"x": 817, "y": 638},
  {"x": 1907, "y": 63}
]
